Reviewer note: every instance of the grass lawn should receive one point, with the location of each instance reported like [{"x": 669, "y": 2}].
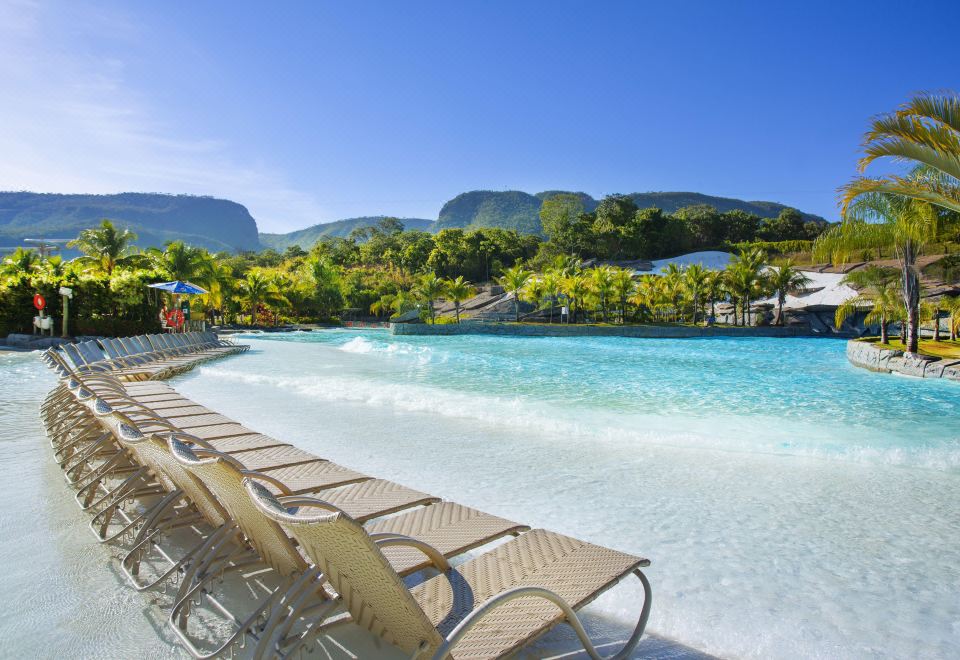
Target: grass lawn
[{"x": 942, "y": 349}]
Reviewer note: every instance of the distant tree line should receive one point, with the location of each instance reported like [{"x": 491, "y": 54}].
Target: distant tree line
[{"x": 617, "y": 229}]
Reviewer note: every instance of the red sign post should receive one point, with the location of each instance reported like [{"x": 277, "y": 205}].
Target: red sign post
[{"x": 39, "y": 302}]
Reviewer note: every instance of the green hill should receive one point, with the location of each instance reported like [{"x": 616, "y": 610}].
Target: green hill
[
  {"x": 216, "y": 224},
  {"x": 515, "y": 209},
  {"x": 305, "y": 238},
  {"x": 673, "y": 201},
  {"x": 512, "y": 209}
]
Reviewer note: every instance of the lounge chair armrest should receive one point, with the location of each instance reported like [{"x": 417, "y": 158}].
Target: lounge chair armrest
[
  {"x": 386, "y": 539},
  {"x": 569, "y": 614},
  {"x": 260, "y": 476}
]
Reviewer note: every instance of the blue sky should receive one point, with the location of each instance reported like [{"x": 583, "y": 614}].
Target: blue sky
[{"x": 311, "y": 112}]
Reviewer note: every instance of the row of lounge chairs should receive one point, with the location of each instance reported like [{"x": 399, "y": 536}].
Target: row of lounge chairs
[
  {"x": 148, "y": 356},
  {"x": 208, "y": 509}
]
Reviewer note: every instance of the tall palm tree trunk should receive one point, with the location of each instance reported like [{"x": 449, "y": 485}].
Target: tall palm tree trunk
[
  {"x": 456, "y": 306},
  {"x": 936, "y": 324},
  {"x": 911, "y": 298},
  {"x": 884, "y": 338}
]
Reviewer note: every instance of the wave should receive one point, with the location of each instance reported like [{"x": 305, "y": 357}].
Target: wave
[
  {"x": 527, "y": 417},
  {"x": 362, "y": 345}
]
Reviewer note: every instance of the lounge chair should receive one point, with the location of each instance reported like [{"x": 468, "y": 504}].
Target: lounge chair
[
  {"x": 453, "y": 528},
  {"x": 487, "y": 607}
]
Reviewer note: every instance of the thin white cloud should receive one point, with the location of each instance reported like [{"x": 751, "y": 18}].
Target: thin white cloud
[{"x": 72, "y": 122}]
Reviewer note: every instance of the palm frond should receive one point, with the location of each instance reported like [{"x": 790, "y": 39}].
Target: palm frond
[
  {"x": 942, "y": 107},
  {"x": 934, "y": 192},
  {"x": 935, "y": 151}
]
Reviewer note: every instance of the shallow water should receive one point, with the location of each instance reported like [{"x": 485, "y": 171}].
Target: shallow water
[{"x": 792, "y": 505}]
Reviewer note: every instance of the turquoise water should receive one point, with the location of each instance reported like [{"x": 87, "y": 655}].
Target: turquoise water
[
  {"x": 792, "y": 505},
  {"x": 797, "y": 396}
]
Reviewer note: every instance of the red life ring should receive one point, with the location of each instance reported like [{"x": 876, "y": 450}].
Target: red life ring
[
  {"x": 39, "y": 302},
  {"x": 175, "y": 318}
]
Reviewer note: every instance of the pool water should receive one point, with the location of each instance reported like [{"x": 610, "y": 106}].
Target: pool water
[{"x": 792, "y": 505}]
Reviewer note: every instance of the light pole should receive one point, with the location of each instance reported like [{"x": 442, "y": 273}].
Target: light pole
[{"x": 67, "y": 294}]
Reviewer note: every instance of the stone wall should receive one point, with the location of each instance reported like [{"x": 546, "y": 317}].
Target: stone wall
[
  {"x": 557, "y": 330},
  {"x": 889, "y": 360}
]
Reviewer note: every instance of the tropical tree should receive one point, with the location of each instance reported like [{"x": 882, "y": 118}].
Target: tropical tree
[
  {"x": 429, "y": 289},
  {"x": 924, "y": 132},
  {"x": 784, "y": 280},
  {"x": 179, "y": 261},
  {"x": 458, "y": 290},
  {"x": 623, "y": 287},
  {"x": 550, "y": 283},
  {"x": 601, "y": 285},
  {"x": 713, "y": 289},
  {"x": 673, "y": 288},
  {"x": 20, "y": 261},
  {"x": 744, "y": 275},
  {"x": 952, "y": 307},
  {"x": 695, "y": 280},
  {"x": 875, "y": 220},
  {"x": 576, "y": 287},
  {"x": 514, "y": 280},
  {"x": 255, "y": 289},
  {"x": 323, "y": 282},
  {"x": 879, "y": 291},
  {"x": 107, "y": 247},
  {"x": 219, "y": 282}
]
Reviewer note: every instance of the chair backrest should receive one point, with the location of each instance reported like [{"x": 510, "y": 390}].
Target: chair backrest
[
  {"x": 74, "y": 355},
  {"x": 109, "y": 348},
  {"x": 223, "y": 476},
  {"x": 152, "y": 450},
  {"x": 91, "y": 351},
  {"x": 132, "y": 349},
  {"x": 141, "y": 344},
  {"x": 372, "y": 591}
]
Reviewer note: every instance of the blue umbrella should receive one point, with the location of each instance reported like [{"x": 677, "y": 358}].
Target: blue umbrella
[{"x": 178, "y": 287}]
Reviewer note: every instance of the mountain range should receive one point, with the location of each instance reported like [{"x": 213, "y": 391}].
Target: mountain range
[{"x": 218, "y": 224}]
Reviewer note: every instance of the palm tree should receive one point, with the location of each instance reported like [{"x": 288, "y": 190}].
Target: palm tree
[
  {"x": 106, "y": 247},
  {"x": 623, "y": 287},
  {"x": 256, "y": 288},
  {"x": 514, "y": 280},
  {"x": 673, "y": 288},
  {"x": 878, "y": 290},
  {"x": 952, "y": 307},
  {"x": 21, "y": 261},
  {"x": 713, "y": 289},
  {"x": 601, "y": 282},
  {"x": 458, "y": 290},
  {"x": 874, "y": 220},
  {"x": 695, "y": 279},
  {"x": 429, "y": 289},
  {"x": 382, "y": 305},
  {"x": 180, "y": 261},
  {"x": 744, "y": 279},
  {"x": 785, "y": 280},
  {"x": 925, "y": 131},
  {"x": 219, "y": 282},
  {"x": 551, "y": 287},
  {"x": 576, "y": 287}
]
